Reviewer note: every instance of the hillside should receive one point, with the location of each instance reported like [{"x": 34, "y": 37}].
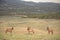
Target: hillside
[
  {"x": 31, "y": 9},
  {"x": 23, "y": 6}
]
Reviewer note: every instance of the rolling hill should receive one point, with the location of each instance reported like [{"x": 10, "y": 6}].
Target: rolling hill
[
  {"x": 41, "y": 9},
  {"x": 23, "y": 6}
]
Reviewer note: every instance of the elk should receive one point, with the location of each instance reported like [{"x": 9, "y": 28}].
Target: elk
[
  {"x": 10, "y": 30},
  {"x": 50, "y": 31},
  {"x": 30, "y": 30}
]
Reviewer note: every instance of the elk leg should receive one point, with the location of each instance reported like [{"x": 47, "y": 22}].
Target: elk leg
[
  {"x": 52, "y": 32},
  {"x": 11, "y": 33},
  {"x": 48, "y": 32}
]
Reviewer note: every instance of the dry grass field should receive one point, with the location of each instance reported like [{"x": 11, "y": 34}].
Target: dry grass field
[{"x": 20, "y": 28}]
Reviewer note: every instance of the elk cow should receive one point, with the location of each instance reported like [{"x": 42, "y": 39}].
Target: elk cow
[
  {"x": 30, "y": 30},
  {"x": 49, "y": 30},
  {"x": 10, "y": 30}
]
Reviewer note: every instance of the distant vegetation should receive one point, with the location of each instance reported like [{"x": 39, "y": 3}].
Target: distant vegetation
[
  {"x": 45, "y": 16},
  {"x": 50, "y": 15}
]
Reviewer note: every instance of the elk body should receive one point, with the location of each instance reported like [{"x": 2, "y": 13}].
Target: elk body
[
  {"x": 10, "y": 30},
  {"x": 50, "y": 31},
  {"x": 30, "y": 30}
]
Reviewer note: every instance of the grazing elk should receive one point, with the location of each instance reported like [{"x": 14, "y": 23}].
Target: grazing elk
[
  {"x": 49, "y": 30},
  {"x": 9, "y": 30},
  {"x": 30, "y": 30}
]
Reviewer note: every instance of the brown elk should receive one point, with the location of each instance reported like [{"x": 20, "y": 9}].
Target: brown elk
[
  {"x": 30, "y": 30},
  {"x": 9, "y": 30},
  {"x": 49, "y": 30}
]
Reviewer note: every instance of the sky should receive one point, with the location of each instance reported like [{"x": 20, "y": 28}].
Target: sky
[{"x": 56, "y": 1}]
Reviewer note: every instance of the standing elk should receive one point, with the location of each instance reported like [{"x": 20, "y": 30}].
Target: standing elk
[
  {"x": 30, "y": 30},
  {"x": 49, "y": 30},
  {"x": 10, "y": 30}
]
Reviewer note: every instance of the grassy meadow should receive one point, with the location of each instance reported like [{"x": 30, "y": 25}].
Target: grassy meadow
[{"x": 20, "y": 25}]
